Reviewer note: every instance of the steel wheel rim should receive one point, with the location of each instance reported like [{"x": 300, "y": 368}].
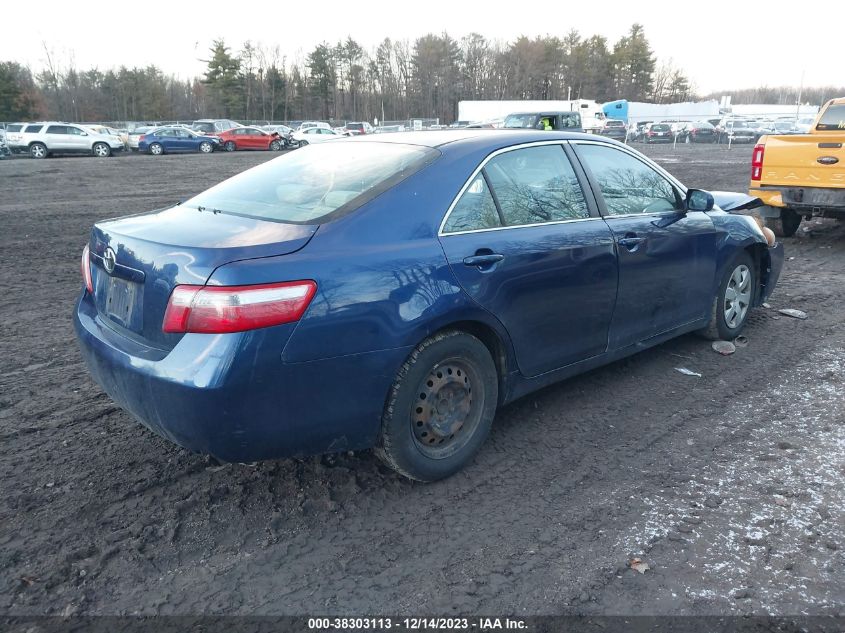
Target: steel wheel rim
[
  {"x": 737, "y": 296},
  {"x": 447, "y": 408}
]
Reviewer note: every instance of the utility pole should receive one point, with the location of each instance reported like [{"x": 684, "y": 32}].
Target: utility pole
[{"x": 800, "y": 93}]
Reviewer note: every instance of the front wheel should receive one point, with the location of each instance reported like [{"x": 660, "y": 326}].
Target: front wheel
[
  {"x": 101, "y": 150},
  {"x": 732, "y": 303},
  {"x": 275, "y": 146},
  {"x": 206, "y": 147},
  {"x": 786, "y": 225},
  {"x": 440, "y": 407},
  {"x": 230, "y": 146},
  {"x": 302, "y": 143}
]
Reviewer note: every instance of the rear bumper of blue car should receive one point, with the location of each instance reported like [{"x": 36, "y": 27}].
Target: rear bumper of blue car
[{"x": 231, "y": 396}]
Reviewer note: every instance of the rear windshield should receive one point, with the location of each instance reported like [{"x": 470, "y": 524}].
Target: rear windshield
[
  {"x": 615, "y": 124},
  {"x": 317, "y": 183},
  {"x": 833, "y": 118},
  {"x": 660, "y": 128}
]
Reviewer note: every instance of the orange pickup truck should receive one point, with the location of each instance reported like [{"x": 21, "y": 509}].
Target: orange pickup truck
[{"x": 803, "y": 175}]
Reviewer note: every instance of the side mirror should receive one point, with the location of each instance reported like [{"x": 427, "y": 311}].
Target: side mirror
[{"x": 698, "y": 200}]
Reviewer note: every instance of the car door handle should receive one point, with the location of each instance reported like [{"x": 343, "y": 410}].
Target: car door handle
[
  {"x": 630, "y": 241},
  {"x": 483, "y": 261}
]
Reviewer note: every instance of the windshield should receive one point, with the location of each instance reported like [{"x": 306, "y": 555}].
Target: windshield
[
  {"x": 520, "y": 120},
  {"x": 833, "y": 118},
  {"x": 203, "y": 127},
  {"x": 307, "y": 186}
]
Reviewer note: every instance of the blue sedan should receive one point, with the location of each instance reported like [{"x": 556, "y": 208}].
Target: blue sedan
[
  {"x": 176, "y": 139},
  {"x": 393, "y": 291}
]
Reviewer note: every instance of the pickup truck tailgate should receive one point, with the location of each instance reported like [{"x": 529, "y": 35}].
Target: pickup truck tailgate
[{"x": 804, "y": 160}]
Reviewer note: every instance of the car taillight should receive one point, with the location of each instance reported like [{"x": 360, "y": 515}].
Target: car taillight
[
  {"x": 224, "y": 309},
  {"x": 142, "y": 137},
  {"x": 85, "y": 269},
  {"x": 757, "y": 162}
]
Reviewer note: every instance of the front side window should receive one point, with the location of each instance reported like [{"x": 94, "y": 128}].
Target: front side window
[
  {"x": 54, "y": 129},
  {"x": 536, "y": 185},
  {"x": 627, "y": 184}
]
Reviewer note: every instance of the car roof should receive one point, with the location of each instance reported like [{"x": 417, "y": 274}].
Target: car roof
[{"x": 475, "y": 137}]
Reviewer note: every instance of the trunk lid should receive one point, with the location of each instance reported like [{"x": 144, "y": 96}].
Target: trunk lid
[
  {"x": 804, "y": 160},
  {"x": 136, "y": 261}
]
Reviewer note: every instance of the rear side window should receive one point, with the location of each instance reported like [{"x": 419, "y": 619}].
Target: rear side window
[
  {"x": 315, "y": 184},
  {"x": 14, "y": 127},
  {"x": 35, "y": 129},
  {"x": 476, "y": 209},
  {"x": 832, "y": 119},
  {"x": 536, "y": 185}
]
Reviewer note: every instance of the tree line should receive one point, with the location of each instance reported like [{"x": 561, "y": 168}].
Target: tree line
[{"x": 396, "y": 80}]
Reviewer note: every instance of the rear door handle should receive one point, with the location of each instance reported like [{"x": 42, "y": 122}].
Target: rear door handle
[{"x": 483, "y": 261}]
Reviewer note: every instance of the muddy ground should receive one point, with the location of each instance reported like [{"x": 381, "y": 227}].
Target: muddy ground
[{"x": 730, "y": 487}]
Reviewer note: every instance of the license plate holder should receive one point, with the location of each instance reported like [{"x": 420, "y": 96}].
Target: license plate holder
[{"x": 120, "y": 301}]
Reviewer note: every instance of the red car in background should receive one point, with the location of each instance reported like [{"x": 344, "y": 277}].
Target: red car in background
[{"x": 250, "y": 138}]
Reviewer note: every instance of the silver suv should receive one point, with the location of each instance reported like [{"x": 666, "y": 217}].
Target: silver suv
[{"x": 53, "y": 137}]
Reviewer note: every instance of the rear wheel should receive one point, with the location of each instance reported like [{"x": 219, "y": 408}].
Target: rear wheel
[
  {"x": 38, "y": 150},
  {"x": 230, "y": 146},
  {"x": 440, "y": 408},
  {"x": 156, "y": 149},
  {"x": 786, "y": 225},
  {"x": 206, "y": 147},
  {"x": 733, "y": 301},
  {"x": 101, "y": 150}
]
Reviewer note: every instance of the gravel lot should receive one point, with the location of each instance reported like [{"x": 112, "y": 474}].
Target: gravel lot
[{"x": 730, "y": 487}]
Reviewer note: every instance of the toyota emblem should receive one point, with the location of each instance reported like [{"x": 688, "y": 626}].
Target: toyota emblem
[{"x": 109, "y": 260}]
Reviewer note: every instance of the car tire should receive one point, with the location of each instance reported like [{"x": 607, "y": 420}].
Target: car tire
[
  {"x": 230, "y": 146},
  {"x": 38, "y": 150},
  {"x": 275, "y": 146},
  {"x": 426, "y": 442},
  {"x": 786, "y": 225},
  {"x": 101, "y": 150},
  {"x": 206, "y": 147},
  {"x": 156, "y": 149},
  {"x": 732, "y": 304}
]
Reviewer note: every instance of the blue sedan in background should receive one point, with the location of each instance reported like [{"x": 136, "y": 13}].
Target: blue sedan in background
[
  {"x": 392, "y": 291},
  {"x": 166, "y": 140}
]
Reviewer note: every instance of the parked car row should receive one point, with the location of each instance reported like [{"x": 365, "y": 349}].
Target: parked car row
[{"x": 43, "y": 139}]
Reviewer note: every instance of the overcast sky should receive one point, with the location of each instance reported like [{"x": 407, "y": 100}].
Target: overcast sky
[{"x": 720, "y": 45}]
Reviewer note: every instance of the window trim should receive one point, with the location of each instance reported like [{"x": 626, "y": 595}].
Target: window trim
[
  {"x": 594, "y": 185},
  {"x": 583, "y": 182}
]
